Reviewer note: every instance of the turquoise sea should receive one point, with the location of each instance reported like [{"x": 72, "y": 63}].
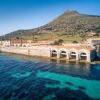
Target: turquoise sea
[{"x": 29, "y": 78}]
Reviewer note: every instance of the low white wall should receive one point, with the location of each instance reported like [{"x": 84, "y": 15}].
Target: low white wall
[
  {"x": 40, "y": 51},
  {"x": 43, "y": 51},
  {"x": 33, "y": 51},
  {"x": 14, "y": 50}
]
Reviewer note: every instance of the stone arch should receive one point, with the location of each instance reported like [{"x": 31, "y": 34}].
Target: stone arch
[
  {"x": 73, "y": 54},
  {"x": 53, "y": 53},
  {"x": 63, "y": 54},
  {"x": 83, "y": 56}
]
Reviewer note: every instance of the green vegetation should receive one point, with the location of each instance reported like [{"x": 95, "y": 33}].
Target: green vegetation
[{"x": 74, "y": 42}]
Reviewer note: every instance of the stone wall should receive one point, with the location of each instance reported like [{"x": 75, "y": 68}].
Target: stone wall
[
  {"x": 33, "y": 51},
  {"x": 46, "y": 51}
]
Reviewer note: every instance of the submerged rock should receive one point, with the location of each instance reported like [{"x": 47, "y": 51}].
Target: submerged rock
[{"x": 21, "y": 75}]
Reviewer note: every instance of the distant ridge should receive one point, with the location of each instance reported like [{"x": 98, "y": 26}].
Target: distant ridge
[{"x": 70, "y": 22}]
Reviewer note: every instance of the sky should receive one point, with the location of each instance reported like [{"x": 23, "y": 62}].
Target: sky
[{"x": 28, "y": 14}]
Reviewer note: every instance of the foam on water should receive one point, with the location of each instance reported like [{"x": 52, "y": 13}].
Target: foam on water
[{"x": 91, "y": 87}]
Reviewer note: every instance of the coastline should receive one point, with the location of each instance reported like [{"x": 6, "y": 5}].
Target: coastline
[
  {"x": 43, "y": 52},
  {"x": 48, "y": 59}
]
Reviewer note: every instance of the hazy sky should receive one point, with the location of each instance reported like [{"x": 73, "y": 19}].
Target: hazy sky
[{"x": 26, "y": 14}]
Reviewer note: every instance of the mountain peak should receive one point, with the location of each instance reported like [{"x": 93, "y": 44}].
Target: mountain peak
[{"x": 72, "y": 12}]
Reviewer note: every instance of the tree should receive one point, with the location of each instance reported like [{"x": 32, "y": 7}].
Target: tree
[
  {"x": 97, "y": 34},
  {"x": 55, "y": 43},
  {"x": 58, "y": 42},
  {"x": 75, "y": 42},
  {"x": 17, "y": 38}
]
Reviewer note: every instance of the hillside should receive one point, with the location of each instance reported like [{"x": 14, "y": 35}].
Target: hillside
[
  {"x": 68, "y": 23},
  {"x": 74, "y": 22}
]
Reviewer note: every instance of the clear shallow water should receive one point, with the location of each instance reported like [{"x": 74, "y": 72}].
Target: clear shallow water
[{"x": 25, "y": 78}]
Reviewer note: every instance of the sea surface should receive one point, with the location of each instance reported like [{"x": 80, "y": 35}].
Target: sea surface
[{"x": 29, "y": 78}]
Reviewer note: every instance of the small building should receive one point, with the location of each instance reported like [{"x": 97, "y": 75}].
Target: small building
[
  {"x": 28, "y": 43},
  {"x": 5, "y": 43},
  {"x": 41, "y": 43},
  {"x": 20, "y": 42},
  {"x": 93, "y": 41}
]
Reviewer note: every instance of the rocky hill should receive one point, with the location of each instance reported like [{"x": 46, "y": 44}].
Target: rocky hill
[{"x": 70, "y": 22}]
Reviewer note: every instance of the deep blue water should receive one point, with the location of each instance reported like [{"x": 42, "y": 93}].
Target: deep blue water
[{"x": 27, "y": 78}]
